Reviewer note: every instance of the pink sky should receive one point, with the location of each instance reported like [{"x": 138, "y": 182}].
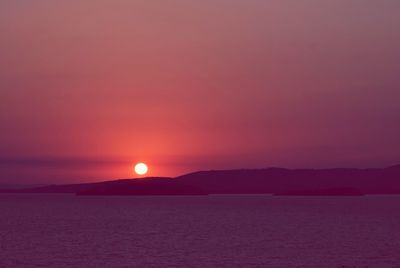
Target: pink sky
[{"x": 89, "y": 87}]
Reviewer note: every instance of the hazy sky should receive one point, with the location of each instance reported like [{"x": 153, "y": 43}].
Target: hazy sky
[{"x": 89, "y": 87}]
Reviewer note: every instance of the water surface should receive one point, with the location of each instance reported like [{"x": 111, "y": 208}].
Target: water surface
[{"x": 56, "y": 230}]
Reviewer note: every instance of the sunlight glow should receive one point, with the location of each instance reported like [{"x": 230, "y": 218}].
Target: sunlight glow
[{"x": 141, "y": 168}]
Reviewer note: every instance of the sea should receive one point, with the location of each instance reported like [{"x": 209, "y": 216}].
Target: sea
[{"x": 64, "y": 230}]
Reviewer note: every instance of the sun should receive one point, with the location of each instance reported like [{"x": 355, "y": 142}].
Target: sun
[{"x": 141, "y": 169}]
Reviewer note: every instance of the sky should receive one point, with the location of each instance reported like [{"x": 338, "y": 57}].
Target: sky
[{"x": 90, "y": 87}]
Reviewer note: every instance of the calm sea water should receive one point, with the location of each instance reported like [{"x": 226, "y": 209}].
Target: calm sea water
[{"x": 203, "y": 231}]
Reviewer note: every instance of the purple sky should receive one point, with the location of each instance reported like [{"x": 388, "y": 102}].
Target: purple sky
[{"x": 89, "y": 87}]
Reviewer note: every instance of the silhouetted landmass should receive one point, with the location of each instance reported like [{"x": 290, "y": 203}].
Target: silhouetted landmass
[
  {"x": 63, "y": 188},
  {"x": 278, "y": 180},
  {"x": 146, "y": 186},
  {"x": 325, "y": 192},
  {"x": 150, "y": 186},
  {"x": 246, "y": 181}
]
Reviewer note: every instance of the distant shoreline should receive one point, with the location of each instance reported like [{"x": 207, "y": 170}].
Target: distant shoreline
[{"x": 274, "y": 181}]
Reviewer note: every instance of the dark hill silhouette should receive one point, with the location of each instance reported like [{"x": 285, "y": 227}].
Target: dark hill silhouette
[
  {"x": 244, "y": 181},
  {"x": 394, "y": 167},
  {"x": 149, "y": 186},
  {"x": 278, "y": 180},
  {"x": 145, "y": 186}
]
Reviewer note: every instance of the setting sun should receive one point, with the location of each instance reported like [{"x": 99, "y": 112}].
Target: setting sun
[{"x": 141, "y": 169}]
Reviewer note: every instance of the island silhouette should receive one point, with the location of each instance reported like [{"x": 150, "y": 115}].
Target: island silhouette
[{"x": 277, "y": 181}]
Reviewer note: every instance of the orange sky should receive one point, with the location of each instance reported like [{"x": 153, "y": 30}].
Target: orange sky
[{"x": 189, "y": 85}]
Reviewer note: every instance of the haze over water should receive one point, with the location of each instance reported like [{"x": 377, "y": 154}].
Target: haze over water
[{"x": 214, "y": 231}]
